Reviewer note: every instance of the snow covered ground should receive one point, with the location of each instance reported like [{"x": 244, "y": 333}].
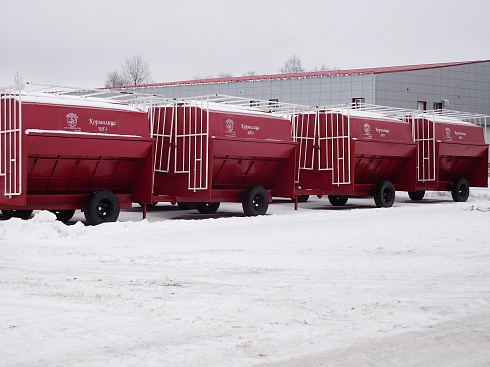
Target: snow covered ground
[{"x": 321, "y": 286}]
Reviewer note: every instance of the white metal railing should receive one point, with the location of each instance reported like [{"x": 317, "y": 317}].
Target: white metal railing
[
  {"x": 334, "y": 144},
  {"x": 161, "y": 128},
  {"x": 472, "y": 118},
  {"x": 424, "y": 134},
  {"x": 191, "y": 140},
  {"x": 11, "y": 140},
  {"x": 305, "y": 132}
]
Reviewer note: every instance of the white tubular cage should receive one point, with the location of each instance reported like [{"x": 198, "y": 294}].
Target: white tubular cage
[
  {"x": 288, "y": 111},
  {"x": 423, "y": 130},
  {"x": 11, "y": 140}
]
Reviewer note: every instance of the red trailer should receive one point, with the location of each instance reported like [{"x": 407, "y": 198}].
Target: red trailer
[
  {"x": 345, "y": 152},
  {"x": 362, "y": 149},
  {"x": 216, "y": 149},
  {"x": 451, "y": 152},
  {"x": 63, "y": 152}
]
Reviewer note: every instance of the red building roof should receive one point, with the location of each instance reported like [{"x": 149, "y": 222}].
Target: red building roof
[{"x": 311, "y": 74}]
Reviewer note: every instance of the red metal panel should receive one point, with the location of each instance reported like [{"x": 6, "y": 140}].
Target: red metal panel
[
  {"x": 162, "y": 131},
  {"x": 305, "y": 133},
  {"x": 232, "y": 124},
  {"x": 459, "y": 133},
  {"x": 73, "y": 118}
]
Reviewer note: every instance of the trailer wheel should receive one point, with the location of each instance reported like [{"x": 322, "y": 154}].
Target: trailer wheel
[
  {"x": 63, "y": 215},
  {"x": 22, "y": 214},
  {"x": 186, "y": 206},
  {"x": 337, "y": 200},
  {"x": 255, "y": 201},
  {"x": 101, "y": 207},
  {"x": 460, "y": 190},
  {"x": 384, "y": 194},
  {"x": 207, "y": 208},
  {"x": 301, "y": 198},
  {"x": 416, "y": 195}
]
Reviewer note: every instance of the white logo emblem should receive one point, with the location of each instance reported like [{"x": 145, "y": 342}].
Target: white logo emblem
[
  {"x": 448, "y": 132},
  {"x": 367, "y": 129},
  {"x": 72, "y": 120},
  {"x": 229, "y": 125}
]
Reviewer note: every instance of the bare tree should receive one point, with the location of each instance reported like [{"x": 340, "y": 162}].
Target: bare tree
[
  {"x": 114, "y": 79},
  {"x": 225, "y": 75},
  {"x": 136, "y": 71},
  {"x": 250, "y": 73},
  {"x": 198, "y": 77},
  {"x": 292, "y": 65},
  {"x": 325, "y": 68}
]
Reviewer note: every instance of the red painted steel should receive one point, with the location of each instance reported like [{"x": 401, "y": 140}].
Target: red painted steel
[
  {"x": 70, "y": 147},
  {"x": 448, "y": 149},
  {"x": 212, "y": 153},
  {"x": 350, "y": 152},
  {"x": 60, "y": 152}
]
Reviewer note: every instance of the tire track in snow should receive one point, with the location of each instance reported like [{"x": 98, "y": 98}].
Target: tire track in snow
[{"x": 459, "y": 343}]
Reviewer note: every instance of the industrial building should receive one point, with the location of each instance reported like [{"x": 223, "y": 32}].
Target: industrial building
[{"x": 462, "y": 86}]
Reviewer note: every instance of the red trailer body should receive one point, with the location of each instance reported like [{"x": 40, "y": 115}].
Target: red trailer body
[
  {"x": 63, "y": 153},
  {"x": 451, "y": 153},
  {"x": 346, "y": 153},
  {"x": 209, "y": 152}
]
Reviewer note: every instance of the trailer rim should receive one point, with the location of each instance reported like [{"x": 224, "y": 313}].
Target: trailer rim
[
  {"x": 460, "y": 190},
  {"x": 255, "y": 201},
  {"x": 384, "y": 194},
  {"x": 102, "y": 207}
]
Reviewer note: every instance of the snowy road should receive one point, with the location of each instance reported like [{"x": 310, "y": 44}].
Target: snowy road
[
  {"x": 459, "y": 343},
  {"x": 359, "y": 286}
]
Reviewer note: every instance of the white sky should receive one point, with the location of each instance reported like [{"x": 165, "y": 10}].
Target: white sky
[{"x": 77, "y": 43}]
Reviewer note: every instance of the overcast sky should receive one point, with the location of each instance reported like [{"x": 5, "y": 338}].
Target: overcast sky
[{"x": 77, "y": 43}]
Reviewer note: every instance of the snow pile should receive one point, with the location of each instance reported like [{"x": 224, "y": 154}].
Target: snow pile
[{"x": 42, "y": 227}]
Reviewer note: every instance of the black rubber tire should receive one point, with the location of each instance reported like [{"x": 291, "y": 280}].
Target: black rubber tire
[
  {"x": 384, "y": 194},
  {"x": 302, "y": 198},
  {"x": 416, "y": 195},
  {"x": 186, "y": 206},
  {"x": 207, "y": 208},
  {"x": 102, "y": 207},
  {"x": 22, "y": 214},
  {"x": 337, "y": 200},
  {"x": 460, "y": 190},
  {"x": 255, "y": 201},
  {"x": 63, "y": 215}
]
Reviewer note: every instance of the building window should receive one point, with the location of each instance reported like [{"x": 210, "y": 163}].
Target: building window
[
  {"x": 358, "y": 101},
  {"x": 273, "y": 102},
  {"x": 421, "y": 105},
  {"x": 437, "y": 105},
  {"x": 254, "y": 103}
]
